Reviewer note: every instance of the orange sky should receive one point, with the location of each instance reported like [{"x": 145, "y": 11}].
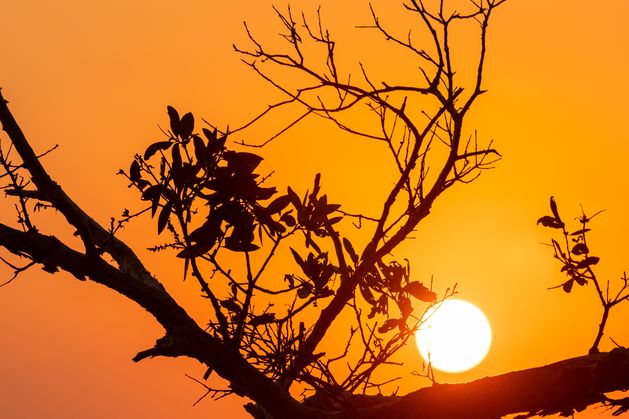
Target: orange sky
[{"x": 95, "y": 77}]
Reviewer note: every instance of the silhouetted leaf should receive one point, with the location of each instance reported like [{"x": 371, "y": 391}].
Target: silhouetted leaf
[
  {"x": 207, "y": 234},
  {"x": 389, "y": 325},
  {"x": 553, "y": 208},
  {"x": 580, "y": 232},
  {"x": 393, "y": 273},
  {"x": 265, "y": 193},
  {"x": 174, "y": 120},
  {"x": 262, "y": 319},
  {"x": 278, "y": 204},
  {"x": 317, "y": 186},
  {"x": 210, "y": 135},
  {"x": 298, "y": 259},
  {"x": 134, "y": 171},
  {"x": 151, "y": 192},
  {"x": 194, "y": 251},
  {"x": 294, "y": 199},
  {"x": 366, "y": 293},
  {"x": 289, "y": 278},
  {"x": 591, "y": 260},
  {"x": 164, "y": 216},
  {"x": 200, "y": 152},
  {"x": 567, "y": 267},
  {"x": 330, "y": 208},
  {"x": 381, "y": 306},
  {"x": 242, "y": 161},
  {"x": 580, "y": 249},
  {"x": 304, "y": 291},
  {"x": 155, "y": 147},
  {"x": 231, "y": 305},
  {"x": 235, "y": 244},
  {"x": 334, "y": 220},
  {"x": 350, "y": 250},
  {"x": 567, "y": 286},
  {"x": 186, "y": 125},
  {"x": 288, "y": 219},
  {"x": 405, "y": 306},
  {"x": 142, "y": 184},
  {"x": 419, "y": 291},
  {"x": 552, "y": 222},
  {"x": 580, "y": 280},
  {"x": 176, "y": 155}
]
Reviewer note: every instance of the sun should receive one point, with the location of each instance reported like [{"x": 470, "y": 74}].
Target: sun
[{"x": 455, "y": 337}]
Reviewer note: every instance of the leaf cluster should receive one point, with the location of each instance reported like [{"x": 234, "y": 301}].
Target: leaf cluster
[
  {"x": 188, "y": 171},
  {"x": 390, "y": 283},
  {"x": 573, "y": 253}
]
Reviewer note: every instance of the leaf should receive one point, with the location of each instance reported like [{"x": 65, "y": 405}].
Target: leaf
[
  {"x": 174, "y": 120},
  {"x": 580, "y": 280},
  {"x": 176, "y": 154},
  {"x": 236, "y": 245},
  {"x": 164, "y": 216},
  {"x": 298, "y": 259},
  {"x": 155, "y": 147},
  {"x": 200, "y": 151},
  {"x": 567, "y": 286},
  {"x": 151, "y": 192},
  {"x": 567, "y": 267},
  {"x": 591, "y": 260},
  {"x": 231, "y": 305},
  {"x": 405, "y": 306},
  {"x": 330, "y": 208},
  {"x": 154, "y": 205},
  {"x": 552, "y": 222},
  {"x": 389, "y": 325},
  {"x": 580, "y": 232},
  {"x": 207, "y": 234},
  {"x": 419, "y": 291},
  {"x": 134, "y": 171},
  {"x": 288, "y": 219},
  {"x": 580, "y": 249},
  {"x": 317, "y": 186},
  {"x": 210, "y": 135},
  {"x": 265, "y": 193},
  {"x": 335, "y": 220},
  {"x": 242, "y": 161},
  {"x": 262, "y": 319},
  {"x": 186, "y": 125},
  {"x": 194, "y": 251},
  {"x": 366, "y": 293},
  {"x": 278, "y": 204},
  {"x": 304, "y": 291},
  {"x": 553, "y": 208},
  {"x": 350, "y": 250},
  {"x": 294, "y": 199}
]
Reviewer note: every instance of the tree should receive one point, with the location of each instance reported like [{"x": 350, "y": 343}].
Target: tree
[{"x": 211, "y": 200}]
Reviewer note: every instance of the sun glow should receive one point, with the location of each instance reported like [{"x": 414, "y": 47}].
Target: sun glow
[{"x": 455, "y": 337}]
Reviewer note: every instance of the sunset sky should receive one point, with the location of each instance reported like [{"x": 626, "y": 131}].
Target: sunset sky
[{"x": 96, "y": 77}]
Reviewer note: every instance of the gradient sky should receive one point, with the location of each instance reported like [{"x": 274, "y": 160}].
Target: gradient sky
[{"x": 95, "y": 78}]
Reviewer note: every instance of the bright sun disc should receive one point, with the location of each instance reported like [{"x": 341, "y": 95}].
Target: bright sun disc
[{"x": 455, "y": 337}]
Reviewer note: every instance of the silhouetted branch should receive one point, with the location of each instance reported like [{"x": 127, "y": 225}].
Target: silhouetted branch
[{"x": 578, "y": 265}]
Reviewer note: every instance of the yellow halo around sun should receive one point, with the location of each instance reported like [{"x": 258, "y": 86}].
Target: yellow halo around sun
[{"x": 455, "y": 337}]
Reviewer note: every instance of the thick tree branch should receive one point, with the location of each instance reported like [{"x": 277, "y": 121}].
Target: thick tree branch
[
  {"x": 183, "y": 336},
  {"x": 564, "y": 387}
]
